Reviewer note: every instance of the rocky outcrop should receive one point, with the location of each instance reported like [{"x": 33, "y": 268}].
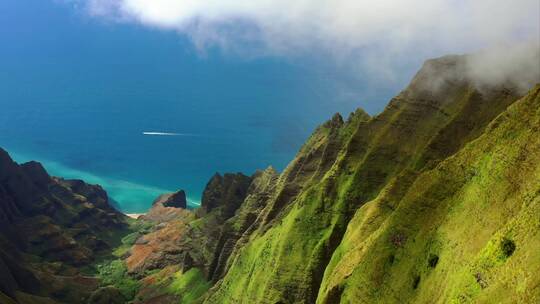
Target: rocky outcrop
[
  {"x": 175, "y": 200},
  {"x": 167, "y": 242},
  {"x": 171, "y": 242},
  {"x": 167, "y": 207},
  {"x": 203, "y": 239},
  {"x": 225, "y": 192}
]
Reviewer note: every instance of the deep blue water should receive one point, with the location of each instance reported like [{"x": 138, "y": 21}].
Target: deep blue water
[{"x": 76, "y": 94}]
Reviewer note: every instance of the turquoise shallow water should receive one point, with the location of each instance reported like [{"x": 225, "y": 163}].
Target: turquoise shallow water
[{"x": 136, "y": 196}]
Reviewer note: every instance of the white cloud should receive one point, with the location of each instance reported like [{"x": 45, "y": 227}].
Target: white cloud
[
  {"x": 345, "y": 23},
  {"x": 517, "y": 64},
  {"x": 376, "y": 36}
]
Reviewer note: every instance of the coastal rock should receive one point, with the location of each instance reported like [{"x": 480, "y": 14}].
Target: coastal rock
[
  {"x": 168, "y": 207},
  {"x": 176, "y": 200}
]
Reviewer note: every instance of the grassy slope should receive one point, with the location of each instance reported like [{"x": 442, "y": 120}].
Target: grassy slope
[
  {"x": 189, "y": 286},
  {"x": 285, "y": 260},
  {"x": 463, "y": 214},
  {"x": 110, "y": 268}
]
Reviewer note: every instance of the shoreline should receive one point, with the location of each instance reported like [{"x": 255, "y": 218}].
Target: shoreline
[{"x": 120, "y": 191}]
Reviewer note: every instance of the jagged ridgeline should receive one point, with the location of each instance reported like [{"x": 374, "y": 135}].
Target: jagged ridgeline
[{"x": 435, "y": 200}]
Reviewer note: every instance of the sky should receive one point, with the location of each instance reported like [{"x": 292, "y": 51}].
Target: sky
[{"x": 162, "y": 94}]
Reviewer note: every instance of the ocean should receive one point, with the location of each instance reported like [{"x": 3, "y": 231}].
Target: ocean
[
  {"x": 92, "y": 99},
  {"x": 105, "y": 126}
]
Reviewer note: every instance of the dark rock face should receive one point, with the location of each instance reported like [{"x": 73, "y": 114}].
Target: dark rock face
[
  {"x": 14, "y": 277},
  {"x": 235, "y": 231},
  {"x": 175, "y": 200},
  {"x": 227, "y": 192},
  {"x": 52, "y": 219},
  {"x": 172, "y": 240},
  {"x": 36, "y": 173},
  {"x": 167, "y": 207}
]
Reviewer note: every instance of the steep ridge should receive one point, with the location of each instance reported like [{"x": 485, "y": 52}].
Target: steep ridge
[
  {"x": 465, "y": 231},
  {"x": 49, "y": 229},
  {"x": 345, "y": 165},
  {"x": 262, "y": 185}
]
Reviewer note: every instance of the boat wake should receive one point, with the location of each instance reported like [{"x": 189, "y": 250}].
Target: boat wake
[{"x": 166, "y": 134}]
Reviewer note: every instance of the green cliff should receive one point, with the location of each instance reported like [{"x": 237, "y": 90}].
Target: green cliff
[{"x": 416, "y": 204}]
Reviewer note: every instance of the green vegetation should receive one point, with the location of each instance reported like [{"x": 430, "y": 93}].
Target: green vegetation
[
  {"x": 114, "y": 273},
  {"x": 124, "y": 240},
  {"x": 189, "y": 286},
  {"x": 474, "y": 211},
  {"x": 422, "y": 204},
  {"x": 111, "y": 270},
  {"x": 126, "y": 244}
]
